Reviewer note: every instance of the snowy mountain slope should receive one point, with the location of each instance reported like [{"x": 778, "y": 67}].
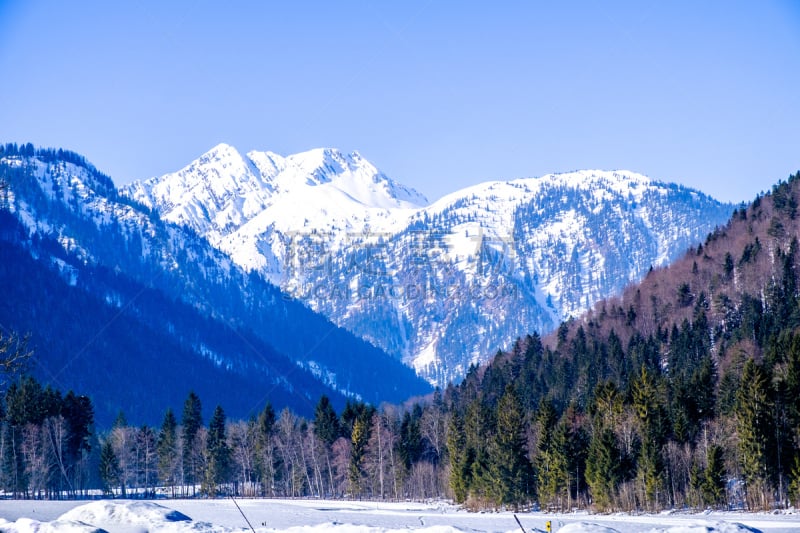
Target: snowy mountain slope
[
  {"x": 233, "y": 199},
  {"x": 440, "y": 286},
  {"x": 114, "y": 251},
  {"x": 476, "y": 269}
]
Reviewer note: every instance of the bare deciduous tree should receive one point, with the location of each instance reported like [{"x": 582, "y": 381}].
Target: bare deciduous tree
[{"x": 14, "y": 355}]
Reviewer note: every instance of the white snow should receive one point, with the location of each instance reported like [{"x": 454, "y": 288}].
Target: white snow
[
  {"x": 586, "y": 527},
  {"x": 257, "y": 207},
  {"x": 425, "y": 357},
  {"x": 247, "y": 205},
  {"x": 324, "y": 516}
]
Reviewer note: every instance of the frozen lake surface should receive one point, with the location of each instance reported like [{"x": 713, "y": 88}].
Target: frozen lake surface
[{"x": 334, "y": 516}]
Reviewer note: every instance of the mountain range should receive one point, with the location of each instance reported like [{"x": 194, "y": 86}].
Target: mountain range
[
  {"x": 136, "y": 311},
  {"x": 441, "y": 285},
  {"x": 679, "y": 390}
]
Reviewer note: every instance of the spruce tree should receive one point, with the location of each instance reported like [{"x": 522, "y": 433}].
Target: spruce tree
[
  {"x": 326, "y": 423},
  {"x": 459, "y": 454},
  {"x": 358, "y": 440},
  {"x": 714, "y": 477},
  {"x": 265, "y": 456},
  {"x": 754, "y": 427},
  {"x": 794, "y": 481},
  {"x": 121, "y": 421},
  {"x": 109, "y": 467},
  {"x": 191, "y": 421},
  {"x": 217, "y": 453},
  {"x": 167, "y": 450},
  {"x": 13, "y": 467},
  {"x": 410, "y": 443},
  {"x": 603, "y": 463},
  {"x": 649, "y": 404},
  {"x": 509, "y": 480},
  {"x": 553, "y": 468},
  {"x": 648, "y": 473},
  {"x": 147, "y": 452},
  {"x": 479, "y": 425}
]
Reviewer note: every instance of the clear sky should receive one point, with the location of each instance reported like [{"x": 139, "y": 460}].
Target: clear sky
[{"x": 439, "y": 95}]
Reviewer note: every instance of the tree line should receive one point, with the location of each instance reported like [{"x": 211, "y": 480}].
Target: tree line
[
  {"x": 360, "y": 453},
  {"x": 652, "y": 425},
  {"x": 45, "y": 440},
  {"x": 49, "y": 449}
]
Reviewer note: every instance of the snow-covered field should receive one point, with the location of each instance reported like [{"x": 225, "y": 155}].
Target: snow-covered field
[{"x": 321, "y": 516}]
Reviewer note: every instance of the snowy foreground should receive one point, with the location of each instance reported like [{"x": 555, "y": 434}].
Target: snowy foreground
[{"x": 320, "y": 516}]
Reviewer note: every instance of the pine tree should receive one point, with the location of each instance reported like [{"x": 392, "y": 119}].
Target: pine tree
[
  {"x": 191, "y": 421},
  {"x": 265, "y": 450},
  {"x": 167, "y": 450},
  {"x": 603, "y": 463},
  {"x": 509, "y": 479},
  {"x": 460, "y": 463},
  {"x": 326, "y": 423},
  {"x": 109, "y": 467},
  {"x": 754, "y": 428},
  {"x": 217, "y": 452}
]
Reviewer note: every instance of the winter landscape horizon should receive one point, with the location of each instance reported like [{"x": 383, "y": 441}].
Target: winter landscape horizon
[
  {"x": 75, "y": 176},
  {"x": 374, "y": 267}
]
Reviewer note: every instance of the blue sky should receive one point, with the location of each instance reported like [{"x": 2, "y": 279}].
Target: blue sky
[{"x": 439, "y": 95}]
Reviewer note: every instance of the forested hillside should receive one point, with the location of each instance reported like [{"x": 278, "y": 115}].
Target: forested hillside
[
  {"x": 683, "y": 391},
  {"x": 132, "y": 350}
]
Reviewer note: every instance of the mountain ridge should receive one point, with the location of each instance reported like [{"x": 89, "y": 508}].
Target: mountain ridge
[
  {"x": 67, "y": 203},
  {"x": 549, "y": 242}
]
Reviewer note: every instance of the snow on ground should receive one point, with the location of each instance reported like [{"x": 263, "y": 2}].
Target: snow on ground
[{"x": 323, "y": 516}]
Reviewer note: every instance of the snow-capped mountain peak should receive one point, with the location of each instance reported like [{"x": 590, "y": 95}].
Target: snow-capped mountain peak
[
  {"x": 222, "y": 190},
  {"x": 350, "y": 173},
  {"x": 320, "y": 165},
  {"x": 446, "y": 284}
]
